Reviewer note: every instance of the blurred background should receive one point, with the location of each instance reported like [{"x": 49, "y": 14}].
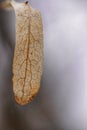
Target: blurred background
[{"x": 62, "y": 100}]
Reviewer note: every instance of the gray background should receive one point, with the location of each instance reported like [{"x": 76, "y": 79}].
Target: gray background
[{"x": 62, "y": 100}]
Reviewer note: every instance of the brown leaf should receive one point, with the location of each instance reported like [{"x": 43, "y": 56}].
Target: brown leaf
[{"x": 28, "y": 55}]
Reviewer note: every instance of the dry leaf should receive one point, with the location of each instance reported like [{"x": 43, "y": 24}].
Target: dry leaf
[{"x": 28, "y": 54}]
